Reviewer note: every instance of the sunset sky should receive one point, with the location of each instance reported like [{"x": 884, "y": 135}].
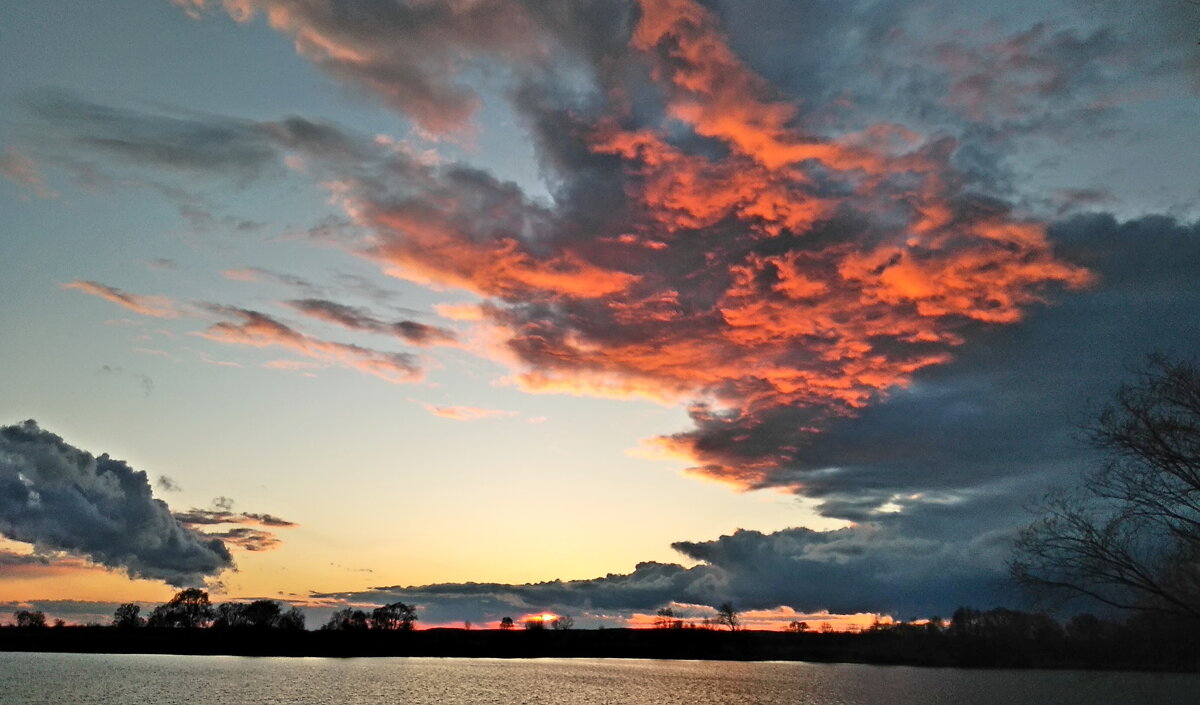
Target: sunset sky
[{"x": 503, "y": 307}]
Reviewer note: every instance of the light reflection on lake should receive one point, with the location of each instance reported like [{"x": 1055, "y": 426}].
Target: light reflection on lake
[{"x": 97, "y": 679}]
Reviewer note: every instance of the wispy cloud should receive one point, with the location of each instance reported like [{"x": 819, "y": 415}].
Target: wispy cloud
[
  {"x": 360, "y": 319},
  {"x": 465, "y": 413},
  {"x": 154, "y": 306},
  {"x": 248, "y": 531},
  {"x": 21, "y": 169},
  {"x": 259, "y": 330}
]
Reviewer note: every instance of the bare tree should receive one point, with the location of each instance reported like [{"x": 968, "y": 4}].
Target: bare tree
[
  {"x": 665, "y": 619},
  {"x": 1129, "y": 536},
  {"x": 562, "y": 623},
  {"x": 727, "y": 616}
]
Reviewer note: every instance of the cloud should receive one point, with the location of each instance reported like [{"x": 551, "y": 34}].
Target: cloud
[
  {"x": 191, "y": 143},
  {"x": 22, "y": 170},
  {"x": 154, "y": 306},
  {"x": 207, "y": 517},
  {"x": 183, "y": 143},
  {"x": 244, "y": 530},
  {"x": 166, "y": 484},
  {"x": 1003, "y": 417},
  {"x": 70, "y": 611},
  {"x": 61, "y": 498},
  {"x": 144, "y": 380},
  {"x": 779, "y": 280},
  {"x": 465, "y": 413},
  {"x": 407, "y": 53},
  {"x": 359, "y": 319},
  {"x": 259, "y": 330},
  {"x": 247, "y": 538},
  {"x": 890, "y": 566},
  {"x": 806, "y": 221},
  {"x": 711, "y": 239}
]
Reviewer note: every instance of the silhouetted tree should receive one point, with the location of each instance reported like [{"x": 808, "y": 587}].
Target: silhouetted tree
[
  {"x": 30, "y": 619},
  {"x": 128, "y": 616},
  {"x": 796, "y": 626},
  {"x": 347, "y": 620},
  {"x": 263, "y": 614},
  {"x": 727, "y": 616},
  {"x": 260, "y": 614},
  {"x": 534, "y": 624},
  {"x": 189, "y": 608},
  {"x": 230, "y": 615},
  {"x": 506, "y": 623},
  {"x": 1129, "y": 537},
  {"x": 563, "y": 622},
  {"x": 395, "y": 616},
  {"x": 292, "y": 620},
  {"x": 665, "y": 619}
]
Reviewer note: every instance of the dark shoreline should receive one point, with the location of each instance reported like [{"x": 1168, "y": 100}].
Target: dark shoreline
[{"x": 878, "y": 648}]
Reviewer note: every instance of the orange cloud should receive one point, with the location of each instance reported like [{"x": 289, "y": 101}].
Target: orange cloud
[
  {"x": 459, "y": 311},
  {"x": 721, "y": 254},
  {"x": 155, "y": 306},
  {"x": 465, "y": 413},
  {"x": 432, "y": 252}
]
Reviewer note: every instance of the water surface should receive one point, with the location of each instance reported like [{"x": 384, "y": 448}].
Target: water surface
[{"x": 99, "y": 679}]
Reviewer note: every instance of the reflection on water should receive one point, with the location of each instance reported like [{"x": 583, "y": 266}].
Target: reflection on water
[{"x": 96, "y": 679}]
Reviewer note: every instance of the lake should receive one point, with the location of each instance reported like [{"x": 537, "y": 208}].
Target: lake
[{"x": 99, "y": 679}]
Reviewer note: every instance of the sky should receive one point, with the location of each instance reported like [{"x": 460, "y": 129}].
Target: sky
[{"x": 510, "y": 307}]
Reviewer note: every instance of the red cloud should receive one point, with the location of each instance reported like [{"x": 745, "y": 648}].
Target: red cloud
[{"x": 720, "y": 252}]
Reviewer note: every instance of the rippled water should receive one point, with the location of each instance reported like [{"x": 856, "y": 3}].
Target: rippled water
[{"x": 87, "y": 679}]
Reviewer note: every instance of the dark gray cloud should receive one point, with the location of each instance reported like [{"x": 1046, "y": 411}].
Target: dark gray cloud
[
  {"x": 360, "y": 319},
  {"x": 207, "y": 517},
  {"x": 247, "y": 538},
  {"x": 1005, "y": 414},
  {"x": 61, "y": 498},
  {"x": 144, "y": 381},
  {"x": 420, "y": 57},
  {"x": 259, "y": 273},
  {"x": 259, "y": 330},
  {"x": 12, "y": 560},
  {"x": 194, "y": 143},
  {"x": 166, "y": 484},
  {"x": 70, "y": 611},
  {"x": 245, "y": 530}
]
